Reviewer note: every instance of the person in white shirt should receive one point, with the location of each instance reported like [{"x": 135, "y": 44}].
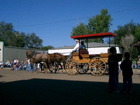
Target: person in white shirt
[
  {"x": 28, "y": 65},
  {"x": 75, "y": 49}
]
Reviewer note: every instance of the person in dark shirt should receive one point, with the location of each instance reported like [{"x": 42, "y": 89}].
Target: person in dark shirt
[
  {"x": 126, "y": 67},
  {"x": 113, "y": 70},
  {"x": 82, "y": 45}
]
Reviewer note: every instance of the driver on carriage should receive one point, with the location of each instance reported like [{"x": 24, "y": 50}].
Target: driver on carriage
[{"x": 77, "y": 47}]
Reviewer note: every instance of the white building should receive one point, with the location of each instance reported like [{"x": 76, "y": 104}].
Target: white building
[{"x": 93, "y": 48}]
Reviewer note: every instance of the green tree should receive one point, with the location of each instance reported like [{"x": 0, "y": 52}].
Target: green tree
[
  {"x": 81, "y": 29},
  {"x": 6, "y": 31},
  {"x": 33, "y": 41},
  {"x": 97, "y": 24},
  {"x": 20, "y": 39},
  {"x": 137, "y": 33},
  {"x": 13, "y": 38},
  {"x": 134, "y": 53},
  {"x": 5, "y": 27},
  {"x": 126, "y": 42},
  {"x": 126, "y": 32},
  {"x": 9, "y": 38},
  {"x": 47, "y": 47},
  {"x": 100, "y": 23}
]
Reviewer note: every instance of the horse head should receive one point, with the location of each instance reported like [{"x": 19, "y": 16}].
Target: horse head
[{"x": 30, "y": 54}]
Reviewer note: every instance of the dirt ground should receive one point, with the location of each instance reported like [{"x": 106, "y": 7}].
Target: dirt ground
[{"x": 27, "y": 88}]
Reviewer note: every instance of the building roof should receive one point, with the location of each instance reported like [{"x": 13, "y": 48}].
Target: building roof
[{"x": 90, "y": 45}]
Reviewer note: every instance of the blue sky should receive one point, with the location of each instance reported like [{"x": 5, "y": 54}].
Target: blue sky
[{"x": 53, "y": 20}]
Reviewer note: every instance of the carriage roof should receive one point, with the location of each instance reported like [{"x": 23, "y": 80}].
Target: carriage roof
[{"x": 97, "y": 35}]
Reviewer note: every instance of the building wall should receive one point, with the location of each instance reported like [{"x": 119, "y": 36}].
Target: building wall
[
  {"x": 14, "y": 53},
  {"x": 11, "y": 53}
]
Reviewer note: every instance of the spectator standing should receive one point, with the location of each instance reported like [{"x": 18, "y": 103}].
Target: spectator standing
[
  {"x": 113, "y": 70},
  {"x": 126, "y": 67},
  {"x": 28, "y": 65}
]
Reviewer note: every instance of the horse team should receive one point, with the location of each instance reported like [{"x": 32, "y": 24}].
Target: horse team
[{"x": 51, "y": 62}]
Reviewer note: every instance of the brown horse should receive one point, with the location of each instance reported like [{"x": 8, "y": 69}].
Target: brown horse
[
  {"x": 57, "y": 61},
  {"x": 36, "y": 58}
]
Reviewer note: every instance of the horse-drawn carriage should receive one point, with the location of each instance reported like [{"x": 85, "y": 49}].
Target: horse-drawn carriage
[{"x": 82, "y": 62}]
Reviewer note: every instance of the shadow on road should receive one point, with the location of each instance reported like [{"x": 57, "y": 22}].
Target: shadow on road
[
  {"x": 1, "y": 76},
  {"x": 62, "y": 92}
]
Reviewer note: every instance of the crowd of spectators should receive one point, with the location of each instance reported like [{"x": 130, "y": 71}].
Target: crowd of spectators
[
  {"x": 17, "y": 65},
  {"x": 25, "y": 65}
]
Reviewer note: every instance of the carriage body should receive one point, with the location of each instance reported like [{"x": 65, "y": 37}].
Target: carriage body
[{"x": 82, "y": 62}]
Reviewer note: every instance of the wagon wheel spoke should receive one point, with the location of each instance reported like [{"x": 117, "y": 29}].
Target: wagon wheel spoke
[
  {"x": 83, "y": 68},
  {"x": 72, "y": 66},
  {"x": 97, "y": 66}
]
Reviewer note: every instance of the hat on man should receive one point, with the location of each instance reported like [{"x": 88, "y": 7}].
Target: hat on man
[{"x": 77, "y": 40}]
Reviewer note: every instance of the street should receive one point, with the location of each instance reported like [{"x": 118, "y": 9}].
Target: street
[{"x": 27, "y": 88}]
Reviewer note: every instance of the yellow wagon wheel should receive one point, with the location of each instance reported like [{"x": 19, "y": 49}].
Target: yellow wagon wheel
[
  {"x": 97, "y": 66},
  {"x": 72, "y": 66}
]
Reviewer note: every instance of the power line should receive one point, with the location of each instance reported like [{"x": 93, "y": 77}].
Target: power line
[
  {"x": 51, "y": 22},
  {"x": 125, "y": 10},
  {"x": 73, "y": 19}
]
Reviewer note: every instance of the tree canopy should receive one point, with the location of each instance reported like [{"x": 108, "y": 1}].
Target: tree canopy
[
  {"x": 18, "y": 39},
  {"x": 97, "y": 24},
  {"x": 126, "y": 35}
]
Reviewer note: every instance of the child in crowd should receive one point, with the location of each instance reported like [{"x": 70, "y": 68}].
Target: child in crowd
[{"x": 126, "y": 67}]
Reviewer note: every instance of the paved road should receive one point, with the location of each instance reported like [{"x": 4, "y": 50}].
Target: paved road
[{"x": 26, "y": 88}]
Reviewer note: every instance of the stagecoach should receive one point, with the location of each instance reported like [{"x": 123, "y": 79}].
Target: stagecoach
[{"x": 82, "y": 62}]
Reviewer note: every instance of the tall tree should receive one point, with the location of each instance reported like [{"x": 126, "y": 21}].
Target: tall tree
[
  {"x": 6, "y": 31},
  {"x": 33, "y": 41},
  {"x": 126, "y": 30},
  {"x": 97, "y": 24},
  {"x": 81, "y": 29},
  {"x": 126, "y": 41},
  {"x": 5, "y": 27},
  {"x": 17, "y": 39},
  {"x": 137, "y": 33},
  {"x": 100, "y": 23},
  {"x": 126, "y": 35},
  {"x": 20, "y": 39}
]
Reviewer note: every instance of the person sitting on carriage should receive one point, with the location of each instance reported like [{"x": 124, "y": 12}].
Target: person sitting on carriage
[
  {"x": 82, "y": 45},
  {"x": 75, "y": 49}
]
